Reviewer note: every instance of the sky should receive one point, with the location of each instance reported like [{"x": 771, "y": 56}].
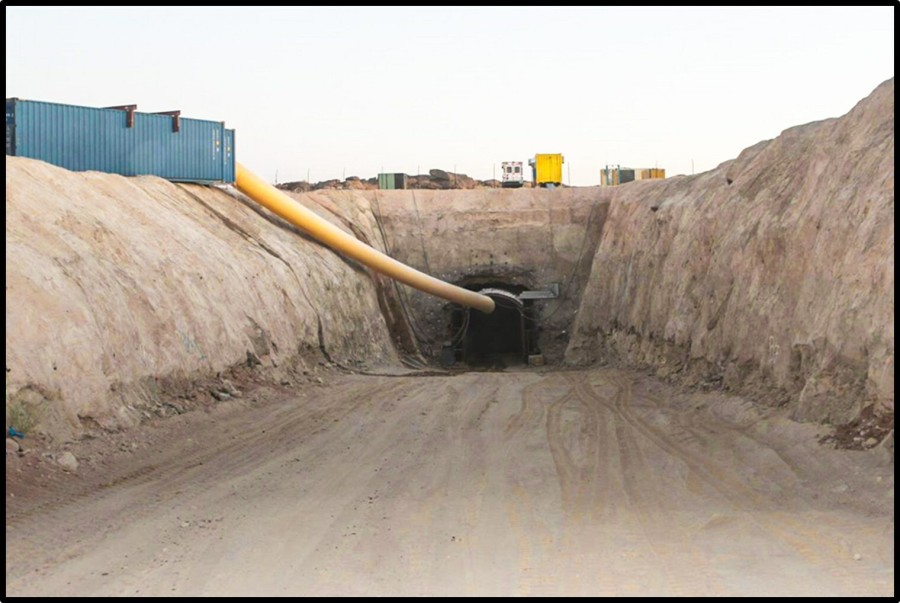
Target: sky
[{"x": 330, "y": 92}]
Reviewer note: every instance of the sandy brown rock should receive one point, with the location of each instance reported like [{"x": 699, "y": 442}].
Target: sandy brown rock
[
  {"x": 68, "y": 461},
  {"x": 772, "y": 271},
  {"x": 772, "y": 274},
  {"x": 117, "y": 286},
  {"x": 529, "y": 238}
]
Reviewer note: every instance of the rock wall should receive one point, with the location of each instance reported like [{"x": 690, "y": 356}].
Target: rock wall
[
  {"x": 527, "y": 237},
  {"x": 120, "y": 290},
  {"x": 772, "y": 274}
]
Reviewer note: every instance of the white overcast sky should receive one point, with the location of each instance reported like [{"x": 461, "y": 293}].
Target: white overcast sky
[{"x": 334, "y": 91}]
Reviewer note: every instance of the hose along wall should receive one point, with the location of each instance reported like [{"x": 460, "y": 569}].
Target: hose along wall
[{"x": 273, "y": 199}]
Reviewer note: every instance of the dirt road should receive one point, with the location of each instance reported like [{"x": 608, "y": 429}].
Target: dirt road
[{"x": 594, "y": 482}]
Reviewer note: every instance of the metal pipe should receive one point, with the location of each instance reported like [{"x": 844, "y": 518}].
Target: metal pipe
[{"x": 273, "y": 199}]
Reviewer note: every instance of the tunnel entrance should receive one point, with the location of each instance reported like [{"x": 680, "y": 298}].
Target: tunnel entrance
[{"x": 506, "y": 337}]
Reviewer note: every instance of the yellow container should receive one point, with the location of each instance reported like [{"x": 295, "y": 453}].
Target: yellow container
[
  {"x": 657, "y": 173},
  {"x": 548, "y": 168}
]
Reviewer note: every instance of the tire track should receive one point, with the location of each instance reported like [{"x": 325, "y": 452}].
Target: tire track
[
  {"x": 804, "y": 537},
  {"x": 694, "y": 579},
  {"x": 761, "y": 510},
  {"x": 124, "y": 498},
  {"x": 531, "y": 411},
  {"x": 585, "y": 462},
  {"x": 569, "y": 483}
]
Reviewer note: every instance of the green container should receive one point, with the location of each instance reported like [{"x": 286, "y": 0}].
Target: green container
[
  {"x": 121, "y": 141},
  {"x": 390, "y": 181}
]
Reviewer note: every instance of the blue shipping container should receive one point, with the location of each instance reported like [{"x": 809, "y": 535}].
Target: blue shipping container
[{"x": 121, "y": 141}]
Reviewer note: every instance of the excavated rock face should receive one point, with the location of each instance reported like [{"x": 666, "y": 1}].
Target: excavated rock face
[
  {"x": 772, "y": 273},
  {"x": 120, "y": 290},
  {"x": 509, "y": 238}
]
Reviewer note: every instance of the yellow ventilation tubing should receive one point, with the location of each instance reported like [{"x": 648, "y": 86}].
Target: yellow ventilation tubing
[{"x": 270, "y": 197}]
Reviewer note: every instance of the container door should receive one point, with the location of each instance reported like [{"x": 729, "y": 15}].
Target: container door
[
  {"x": 229, "y": 156},
  {"x": 218, "y": 158},
  {"x": 10, "y": 127}
]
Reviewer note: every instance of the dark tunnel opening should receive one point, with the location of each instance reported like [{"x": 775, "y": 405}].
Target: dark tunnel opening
[{"x": 506, "y": 337}]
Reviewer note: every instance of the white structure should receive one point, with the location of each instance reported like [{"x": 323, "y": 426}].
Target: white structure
[{"x": 511, "y": 174}]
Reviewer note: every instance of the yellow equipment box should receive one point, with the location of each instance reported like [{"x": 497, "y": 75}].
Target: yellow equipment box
[{"x": 547, "y": 168}]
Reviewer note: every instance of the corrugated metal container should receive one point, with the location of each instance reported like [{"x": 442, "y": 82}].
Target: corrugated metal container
[
  {"x": 548, "y": 168},
  {"x": 390, "y": 181},
  {"x": 609, "y": 176},
  {"x": 121, "y": 141},
  {"x": 613, "y": 176}
]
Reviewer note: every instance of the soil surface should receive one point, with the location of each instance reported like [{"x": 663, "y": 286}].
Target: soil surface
[{"x": 520, "y": 482}]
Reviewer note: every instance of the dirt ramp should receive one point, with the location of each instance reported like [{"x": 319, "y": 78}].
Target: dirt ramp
[
  {"x": 118, "y": 288},
  {"x": 773, "y": 273}
]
